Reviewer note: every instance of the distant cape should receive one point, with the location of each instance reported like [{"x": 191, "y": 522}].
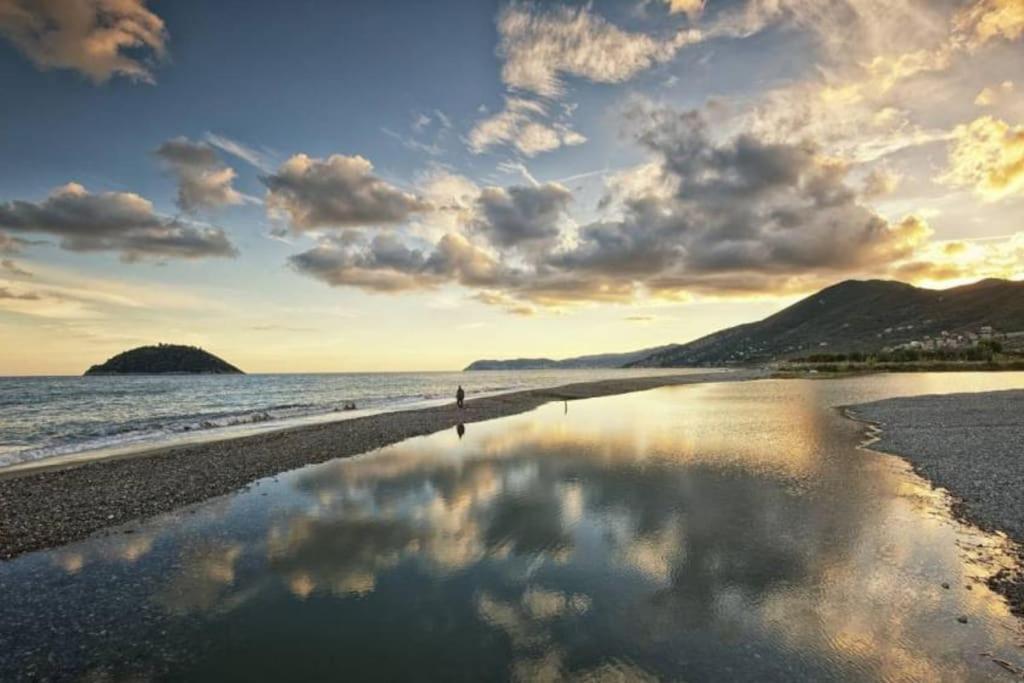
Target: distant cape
[
  {"x": 164, "y": 359},
  {"x": 602, "y": 360}
]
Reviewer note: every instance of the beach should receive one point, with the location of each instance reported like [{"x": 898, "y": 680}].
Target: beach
[
  {"x": 971, "y": 445},
  {"x": 42, "y": 508}
]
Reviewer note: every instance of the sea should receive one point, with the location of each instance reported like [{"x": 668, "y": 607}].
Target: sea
[{"x": 56, "y": 417}]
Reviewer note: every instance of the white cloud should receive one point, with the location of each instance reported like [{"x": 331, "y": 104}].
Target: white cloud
[
  {"x": 540, "y": 45},
  {"x": 518, "y": 125},
  {"x": 259, "y": 158}
]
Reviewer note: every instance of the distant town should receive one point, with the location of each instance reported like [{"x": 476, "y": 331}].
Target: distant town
[{"x": 953, "y": 340}]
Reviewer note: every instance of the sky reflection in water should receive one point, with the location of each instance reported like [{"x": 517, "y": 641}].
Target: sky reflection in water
[{"x": 706, "y": 532}]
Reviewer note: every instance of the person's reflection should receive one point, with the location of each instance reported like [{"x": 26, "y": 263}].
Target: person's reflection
[{"x": 460, "y": 429}]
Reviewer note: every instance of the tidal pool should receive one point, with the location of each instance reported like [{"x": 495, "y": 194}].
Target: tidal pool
[{"x": 733, "y": 531}]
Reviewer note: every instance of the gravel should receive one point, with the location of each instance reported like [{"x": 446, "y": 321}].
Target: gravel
[
  {"x": 50, "y": 507},
  {"x": 972, "y": 445}
]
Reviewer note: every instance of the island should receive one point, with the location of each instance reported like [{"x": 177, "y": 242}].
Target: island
[{"x": 165, "y": 359}]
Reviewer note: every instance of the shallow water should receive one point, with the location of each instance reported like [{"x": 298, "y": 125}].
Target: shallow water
[
  {"x": 713, "y": 532},
  {"x": 46, "y": 417}
]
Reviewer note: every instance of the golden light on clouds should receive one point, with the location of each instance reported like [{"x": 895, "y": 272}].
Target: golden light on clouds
[
  {"x": 987, "y": 156},
  {"x": 990, "y": 95}
]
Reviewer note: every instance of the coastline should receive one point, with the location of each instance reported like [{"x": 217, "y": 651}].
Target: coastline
[
  {"x": 43, "y": 507},
  {"x": 969, "y": 445}
]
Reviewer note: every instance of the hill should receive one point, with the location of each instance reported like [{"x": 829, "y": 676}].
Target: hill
[
  {"x": 602, "y": 360},
  {"x": 164, "y": 359},
  {"x": 855, "y": 316}
]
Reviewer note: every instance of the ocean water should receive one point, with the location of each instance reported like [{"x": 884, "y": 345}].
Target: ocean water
[{"x": 44, "y": 417}]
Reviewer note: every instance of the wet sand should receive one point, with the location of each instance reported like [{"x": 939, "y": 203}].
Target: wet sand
[
  {"x": 50, "y": 507},
  {"x": 972, "y": 445}
]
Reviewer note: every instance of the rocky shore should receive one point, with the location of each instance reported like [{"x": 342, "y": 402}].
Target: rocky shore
[
  {"x": 51, "y": 507},
  {"x": 972, "y": 445}
]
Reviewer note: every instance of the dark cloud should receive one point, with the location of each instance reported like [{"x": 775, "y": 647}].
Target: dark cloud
[
  {"x": 708, "y": 215},
  {"x": 522, "y": 215},
  {"x": 385, "y": 264},
  {"x": 339, "y": 191},
  {"x": 113, "y": 221},
  {"x": 203, "y": 181},
  {"x": 742, "y": 206}
]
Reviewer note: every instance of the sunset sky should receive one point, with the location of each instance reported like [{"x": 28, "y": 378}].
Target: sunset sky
[{"x": 348, "y": 186}]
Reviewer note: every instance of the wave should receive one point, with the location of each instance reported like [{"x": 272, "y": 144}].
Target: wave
[{"x": 157, "y": 430}]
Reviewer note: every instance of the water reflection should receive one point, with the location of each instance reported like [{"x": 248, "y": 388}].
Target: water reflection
[{"x": 706, "y": 532}]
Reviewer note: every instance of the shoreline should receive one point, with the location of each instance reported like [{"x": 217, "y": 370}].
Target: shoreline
[
  {"x": 968, "y": 445},
  {"x": 45, "y": 507}
]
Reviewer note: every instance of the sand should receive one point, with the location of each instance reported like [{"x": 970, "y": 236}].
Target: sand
[{"x": 972, "y": 445}]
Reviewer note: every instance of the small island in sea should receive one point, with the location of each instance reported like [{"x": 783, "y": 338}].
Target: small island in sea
[{"x": 165, "y": 359}]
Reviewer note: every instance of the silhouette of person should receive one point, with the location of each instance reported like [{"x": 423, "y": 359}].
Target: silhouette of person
[
  {"x": 460, "y": 429},
  {"x": 460, "y": 397}
]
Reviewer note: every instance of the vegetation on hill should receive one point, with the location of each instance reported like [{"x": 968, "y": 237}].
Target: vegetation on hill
[
  {"x": 856, "y": 317},
  {"x": 164, "y": 359}
]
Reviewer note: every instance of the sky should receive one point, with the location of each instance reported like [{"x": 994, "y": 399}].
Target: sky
[{"x": 318, "y": 186}]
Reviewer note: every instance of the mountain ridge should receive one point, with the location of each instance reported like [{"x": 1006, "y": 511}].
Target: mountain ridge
[
  {"x": 855, "y": 315},
  {"x": 598, "y": 360}
]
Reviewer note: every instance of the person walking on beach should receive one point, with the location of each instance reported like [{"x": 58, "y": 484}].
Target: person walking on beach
[{"x": 460, "y": 397}]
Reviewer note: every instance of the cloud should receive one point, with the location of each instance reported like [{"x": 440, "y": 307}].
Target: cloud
[
  {"x": 98, "y": 38},
  {"x": 519, "y": 125},
  {"x": 204, "y": 182},
  {"x": 986, "y": 20},
  {"x": 411, "y": 143},
  {"x": 522, "y": 216},
  {"x": 383, "y": 264},
  {"x": 501, "y": 300},
  {"x": 340, "y": 191},
  {"x": 845, "y": 31},
  {"x": 712, "y": 216},
  {"x": 11, "y": 245},
  {"x": 254, "y": 157},
  {"x": 386, "y": 264},
  {"x": 12, "y": 268},
  {"x": 540, "y": 45},
  {"x": 691, "y": 8},
  {"x": 965, "y": 261},
  {"x": 991, "y": 95},
  {"x": 877, "y": 69},
  {"x": 453, "y": 197},
  {"x": 740, "y": 206},
  {"x": 881, "y": 181},
  {"x": 8, "y": 293},
  {"x": 987, "y": 155},
  {"x": 113, "y": 221}
]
